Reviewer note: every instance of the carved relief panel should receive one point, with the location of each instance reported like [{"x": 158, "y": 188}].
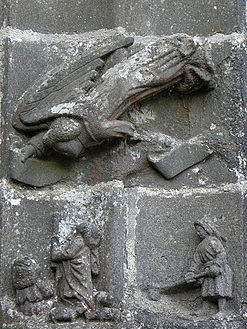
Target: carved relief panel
[
  {"x": 129, "y": 139},
  {"x": 77, "y": 105}
]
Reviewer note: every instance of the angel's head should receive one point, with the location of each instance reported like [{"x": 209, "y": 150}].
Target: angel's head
[
  {"x": 63, "y": 137},
  {"x": 90, "y": 232}
]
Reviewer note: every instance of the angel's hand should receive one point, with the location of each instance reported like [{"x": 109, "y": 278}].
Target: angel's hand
[
  {"x": 117, "y": 128},
  {"x": 190, "y": 277},
  {"x": 27, "y": 152}
]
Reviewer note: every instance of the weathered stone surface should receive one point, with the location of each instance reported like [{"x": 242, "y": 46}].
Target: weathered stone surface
[
  {"x": 179, "y": 159},
  {"x": 139, "y": 226},
  {"x": 36, "y": 172},
  {"x": 218, "y": 111},
  {"x": 160, "y": 17},
  {"x": 22, "y": 219},
  {"x": 55, "y": 16},
  {"x": 161, "y": 321},
  {"x": 165, "y": 240},
  {"x": 244, "y": 150},
  {"x": 147, "y": 232},
  {"x": 157, "y": 321},
  {"x": 31, "y": 217},
  {"x": 75, "y": 119},
  {"x": 1, "y": 13},
  {"x": 180, "y": 117},
  {"x": 245, "y": 254},
  {"x": 3, "y": 85},
  {"x": 113, "y": 253},
  {"x": 78, "y": 325}
]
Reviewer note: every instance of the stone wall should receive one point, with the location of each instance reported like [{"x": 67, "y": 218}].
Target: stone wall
[{"x": 146, "y": 221}]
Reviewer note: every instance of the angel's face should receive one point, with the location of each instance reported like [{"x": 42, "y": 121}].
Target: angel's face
[
  {"x": 70, "y": 149},
  {"x": 201, "y": 232}
]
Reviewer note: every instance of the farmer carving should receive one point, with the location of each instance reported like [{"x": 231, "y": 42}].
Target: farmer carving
[{"x": 210, "y": 266}]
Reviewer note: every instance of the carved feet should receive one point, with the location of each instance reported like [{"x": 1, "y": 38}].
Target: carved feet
[{"x": 106, "y": 310}]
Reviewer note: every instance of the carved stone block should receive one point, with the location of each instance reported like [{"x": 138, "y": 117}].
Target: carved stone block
[
  {"x": 123, "y": 165},
  {"x": 179, "y": 159}
]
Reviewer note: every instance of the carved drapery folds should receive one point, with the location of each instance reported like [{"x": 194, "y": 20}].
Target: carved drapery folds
[
  {"x": 209, "y": 271},
  {"x": 76, "y": 263},
  {"x": 210, "y": 267},
  {"x": 78, "y": 105}
]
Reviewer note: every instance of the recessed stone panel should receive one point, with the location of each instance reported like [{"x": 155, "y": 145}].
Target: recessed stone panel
[
  {"x": 217, "y": 116},
  {"x": 166, "y": 238}
]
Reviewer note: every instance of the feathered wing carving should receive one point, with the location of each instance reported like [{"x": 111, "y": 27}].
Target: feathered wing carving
[
  {"x": 73, "y": 92},
  {"x": 78, "y": 104},
  {"x": 167, "y": 62},
  {"x": 64, "y": 84}
]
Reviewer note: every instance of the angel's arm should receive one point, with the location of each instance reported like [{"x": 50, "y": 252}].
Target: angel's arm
[{"x": 34, "y": 148}]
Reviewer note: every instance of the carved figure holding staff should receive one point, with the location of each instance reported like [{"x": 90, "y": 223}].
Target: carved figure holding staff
[{"x": 210, "y": 267}]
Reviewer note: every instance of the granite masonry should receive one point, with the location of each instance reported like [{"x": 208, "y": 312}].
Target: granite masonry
[{"x": 123, "y": 164}]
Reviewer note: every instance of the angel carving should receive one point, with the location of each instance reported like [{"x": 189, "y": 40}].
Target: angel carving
[{"x": 78, "y": 105}]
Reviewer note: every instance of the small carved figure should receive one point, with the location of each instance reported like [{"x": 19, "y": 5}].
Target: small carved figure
[
  {"x": 76, "y": 262},
  {"x": 29, "y": 289},
  {"x": 210, "y": 267}
]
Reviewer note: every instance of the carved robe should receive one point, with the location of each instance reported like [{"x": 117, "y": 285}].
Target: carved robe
[
  {"x": 76, "y": 263},
  {"x": 210, "y": 254}
]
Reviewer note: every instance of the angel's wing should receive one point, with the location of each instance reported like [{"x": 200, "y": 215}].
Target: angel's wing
[{"x": 63, "y": 85}]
